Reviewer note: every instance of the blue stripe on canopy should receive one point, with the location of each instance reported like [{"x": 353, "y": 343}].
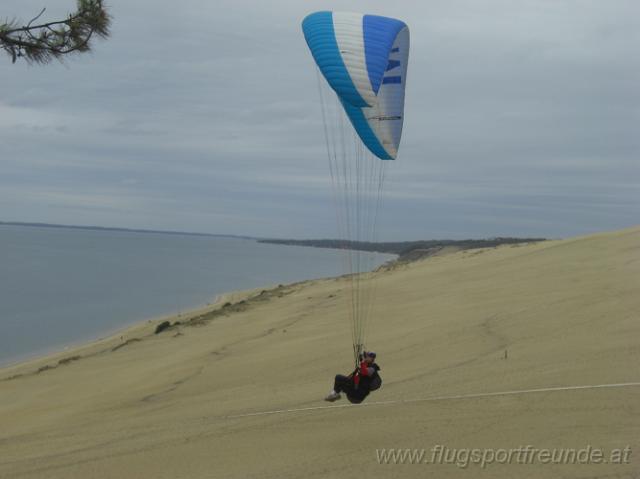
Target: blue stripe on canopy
[
  {"x": 320, "y": 36},
  {"x": 392, "y": 80}
]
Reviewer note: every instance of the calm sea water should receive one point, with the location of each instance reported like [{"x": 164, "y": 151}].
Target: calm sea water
[{"x": 61, "y": 286}]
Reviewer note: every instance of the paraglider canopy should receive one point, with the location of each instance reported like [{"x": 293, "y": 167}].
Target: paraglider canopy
[{"x": 364, "y": 60}]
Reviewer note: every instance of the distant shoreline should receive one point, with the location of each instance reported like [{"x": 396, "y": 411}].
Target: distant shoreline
[
  {"x": 405, "y": 250},
  {"x": 122, "y": 230},
  {"x": 198, "y": 277}
]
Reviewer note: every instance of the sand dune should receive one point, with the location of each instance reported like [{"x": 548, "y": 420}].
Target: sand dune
[{"x": 564, "y": 313}]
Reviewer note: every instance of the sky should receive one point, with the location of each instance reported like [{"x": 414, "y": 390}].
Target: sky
[{"x": 521, "y": 119}]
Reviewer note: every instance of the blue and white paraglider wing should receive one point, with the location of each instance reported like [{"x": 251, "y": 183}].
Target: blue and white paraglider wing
[{"x": 364, "y": 59}]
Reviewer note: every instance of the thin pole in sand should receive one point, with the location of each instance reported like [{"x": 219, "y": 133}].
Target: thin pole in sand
[{"x": 437, "y": 398}]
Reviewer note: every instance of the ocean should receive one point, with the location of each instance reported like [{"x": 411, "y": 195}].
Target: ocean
[{"x": 61, "y": 286}]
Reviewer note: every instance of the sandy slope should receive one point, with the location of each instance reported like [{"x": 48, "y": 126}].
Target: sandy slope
[{"x": 566, "y": 312}]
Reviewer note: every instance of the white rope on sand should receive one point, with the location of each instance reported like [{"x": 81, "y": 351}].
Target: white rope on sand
[{"x": 437, "y": 398}]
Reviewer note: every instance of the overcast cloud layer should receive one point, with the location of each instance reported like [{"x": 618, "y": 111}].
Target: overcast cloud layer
[{"x": 521, "y": 119}]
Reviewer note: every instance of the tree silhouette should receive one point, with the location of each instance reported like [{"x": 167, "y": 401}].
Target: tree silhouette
[{"x": 41, "y": 43}]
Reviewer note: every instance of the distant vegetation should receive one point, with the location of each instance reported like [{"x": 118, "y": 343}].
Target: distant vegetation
[{"x": 406, "y": 250}]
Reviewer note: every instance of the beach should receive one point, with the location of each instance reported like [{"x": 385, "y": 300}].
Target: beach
[{"x": 235, "y": 389}]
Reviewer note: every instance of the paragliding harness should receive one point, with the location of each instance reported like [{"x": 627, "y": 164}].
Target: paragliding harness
[{"x": 375, "y": 382}]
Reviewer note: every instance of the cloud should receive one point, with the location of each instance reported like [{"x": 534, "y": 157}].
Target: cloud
[{"x": 521, "y": 118}]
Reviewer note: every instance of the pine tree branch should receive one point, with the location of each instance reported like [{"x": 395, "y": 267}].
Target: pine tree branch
[
  {"x": 37, "y": 16},
  {"x": 43, "y": 42}
]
